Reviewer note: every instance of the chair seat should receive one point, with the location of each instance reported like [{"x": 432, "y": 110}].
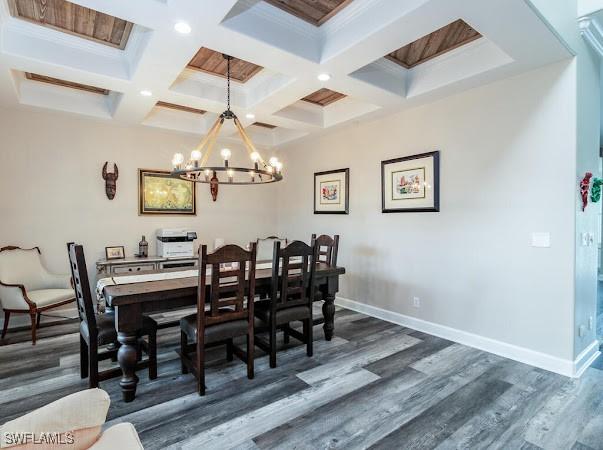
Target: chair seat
[
  {"x": 214, "y": 333},
  {"x": 285, "y": 315},
  {"x": 105, "y": 323},
  {"x": 46, "y": 297}
]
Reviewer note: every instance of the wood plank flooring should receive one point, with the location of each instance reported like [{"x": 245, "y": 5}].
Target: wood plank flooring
[{"x": 375, "y": 385}]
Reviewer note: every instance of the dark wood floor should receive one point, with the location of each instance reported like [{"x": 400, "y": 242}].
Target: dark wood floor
[{"x": 375, "y": 385}]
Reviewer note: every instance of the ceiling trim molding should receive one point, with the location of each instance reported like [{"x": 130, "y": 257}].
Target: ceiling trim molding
[{"x": 591, "y": 31}]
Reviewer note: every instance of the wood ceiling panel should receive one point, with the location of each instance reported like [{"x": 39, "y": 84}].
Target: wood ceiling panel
[
  {"x": 74, "y": 19},
  {"x": 211, "y": 61},
  {"x": 434, "y": 44},
  {"x": 315, "y": 12},
  {"x": 323, "y": 97},
  {"x": 64, "y": 83},
  {"x": 180, "y": 107},
  {"x": 264, "y": 125}
]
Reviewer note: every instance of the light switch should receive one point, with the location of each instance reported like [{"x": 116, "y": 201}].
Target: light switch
[{"x": 541, "y": 240}]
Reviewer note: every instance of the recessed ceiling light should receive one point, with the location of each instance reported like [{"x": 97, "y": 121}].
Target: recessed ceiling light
[
  {"x": 146, "y": 93},
  {"x": 250, "y": 116},
  {"x": 182, "y": 27},
  {"x": 324, "y": 77}
]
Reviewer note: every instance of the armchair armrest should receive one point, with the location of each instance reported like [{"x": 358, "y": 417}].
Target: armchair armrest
[
  {"x": 14, "y": 296},
  {"x": 82, "y": 414}
]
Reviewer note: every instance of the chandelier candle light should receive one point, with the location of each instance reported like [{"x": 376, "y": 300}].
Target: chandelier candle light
[{"x": 195, "y": 169}]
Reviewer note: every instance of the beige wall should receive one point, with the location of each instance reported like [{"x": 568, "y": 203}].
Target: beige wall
[
  {"x": 52, "y": 190},
  {"x": 507, "y": 170}
]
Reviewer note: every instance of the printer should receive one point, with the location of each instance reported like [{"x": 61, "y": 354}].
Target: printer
[{"x": 175, "y": 242}]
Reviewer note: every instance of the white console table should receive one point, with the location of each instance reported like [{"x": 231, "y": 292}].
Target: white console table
[{"x": 142, "y": 264}]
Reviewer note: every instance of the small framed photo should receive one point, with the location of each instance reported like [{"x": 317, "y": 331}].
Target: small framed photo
[
  {"x": 116, "y": 252},
  {"x": 331, "y": 192},
  {"x": 411, "y": 183}
]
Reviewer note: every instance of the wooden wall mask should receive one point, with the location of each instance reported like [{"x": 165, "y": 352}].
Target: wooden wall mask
[{"x": 110, "y": 175}]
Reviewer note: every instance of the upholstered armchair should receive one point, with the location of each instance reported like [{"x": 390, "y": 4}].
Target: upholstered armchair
[
  {"x": 73, "y": 422},
  {"x": 26, "y": 287}
]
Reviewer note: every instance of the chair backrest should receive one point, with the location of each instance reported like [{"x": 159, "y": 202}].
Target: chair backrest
[
  {"x": 327, "y": 248},
  {"x": 230, "y": 292},
  {"x": 293, "y": 271},
  {"x": 266, "y": 247},
  {"x": 79, "y": 273},
  {"x": 22, "y": 266}
]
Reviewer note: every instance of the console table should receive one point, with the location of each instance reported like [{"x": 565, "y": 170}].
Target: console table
[{"x": 135, "y": 264}]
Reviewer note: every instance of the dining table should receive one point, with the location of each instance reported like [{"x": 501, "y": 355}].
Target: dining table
[{"x": 131, "y": 301}]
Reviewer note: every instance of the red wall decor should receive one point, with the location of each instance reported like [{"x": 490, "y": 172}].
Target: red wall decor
[{"x": 584, "y": 186}]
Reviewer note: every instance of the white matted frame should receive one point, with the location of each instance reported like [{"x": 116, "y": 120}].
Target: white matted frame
[
  {"x": 411, "y": 183},
  {"x": 331, "y": 192}
]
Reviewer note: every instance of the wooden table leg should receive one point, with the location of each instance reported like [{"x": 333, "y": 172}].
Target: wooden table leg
[
  {"x": 328, "y": 307},
  {"x": 127, "y": 357}
]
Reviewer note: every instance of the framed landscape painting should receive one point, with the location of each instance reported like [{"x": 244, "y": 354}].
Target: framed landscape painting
[
  {"x": 160, "y": 193},
  {"x": 411, "y": 183},
  {"x": 331, "y": 192}
]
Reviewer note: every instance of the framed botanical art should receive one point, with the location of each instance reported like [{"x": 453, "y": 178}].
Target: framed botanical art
[
  {"x": 331, "y": 192},
  {"x": 411, "y": 183},
  {"x": 161, "y": 193}
]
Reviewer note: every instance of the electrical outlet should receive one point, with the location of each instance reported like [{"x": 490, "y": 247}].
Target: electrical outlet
[
  {"x": 581, "y": 330},
  {"x": 590, "y": 323},
  {"x": 416, "y": 302}
]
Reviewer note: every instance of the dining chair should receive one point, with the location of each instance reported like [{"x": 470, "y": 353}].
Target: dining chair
[
  {"x": 327, "y": 248},
  {"x": 230, "y": 310},
  {"x": 266, "y": 246},
  {"x": 97, "y": 331},
  {"x": 26, "y": 287},
  {"x": 291, "y": 299}
]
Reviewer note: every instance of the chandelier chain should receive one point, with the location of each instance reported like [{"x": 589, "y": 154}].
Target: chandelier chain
[{"x": 228, "y": 84}]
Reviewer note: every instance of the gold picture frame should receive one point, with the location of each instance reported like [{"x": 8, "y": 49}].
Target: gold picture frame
[{"x": 161, "y": 193}]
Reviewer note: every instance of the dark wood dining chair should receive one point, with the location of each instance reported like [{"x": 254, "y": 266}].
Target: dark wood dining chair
[
  {"x": 291, "y": 299},
  {"x": 327, "y": 248},
  {"x": 98, "y": 331},
  {"x": 230, "y": 312}
]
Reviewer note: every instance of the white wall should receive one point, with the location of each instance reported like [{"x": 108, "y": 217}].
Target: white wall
[
  {"x": 53, "y": 193},
  {"x": 561, "y": 15},
  {"x": 507, "y": 152}
]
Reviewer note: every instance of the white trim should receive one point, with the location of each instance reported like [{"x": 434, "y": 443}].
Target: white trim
[
  {"x": 586, "y": 358},
  {"x": 551, "y": 363}
]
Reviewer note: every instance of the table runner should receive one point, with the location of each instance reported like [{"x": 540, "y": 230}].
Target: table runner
[{"x": 132, "y": 279}]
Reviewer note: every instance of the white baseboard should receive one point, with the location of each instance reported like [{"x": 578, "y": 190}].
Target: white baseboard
[
  {"x": 551, "y": 363},
  {"x": 586, "y": 358}
]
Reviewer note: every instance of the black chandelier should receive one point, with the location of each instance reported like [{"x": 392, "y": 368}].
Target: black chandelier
[{"x": 195, "y": 168}]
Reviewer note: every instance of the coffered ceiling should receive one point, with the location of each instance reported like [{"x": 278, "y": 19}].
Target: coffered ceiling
[
  {"x": 315, "y": 12},
  {"x": 213, "y": 62},
  {"x": 323, "y": 97},
  {"x": 434, "y": 44},
  {"x": 75, "y": 19},
  {"x": 123, "y": 60}
]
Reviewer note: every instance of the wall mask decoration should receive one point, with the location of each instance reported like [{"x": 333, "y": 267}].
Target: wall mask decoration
[
  {"x": 584, "y": 187},
  {"x": 213, "y": 186},
  {"x": 595, "y": 190},
  {"x": 331, "y": 192},
  {"x": 411, "y": 183},
  {"x": 159, "y": 192},
  {"x": 110, "y": 175}
]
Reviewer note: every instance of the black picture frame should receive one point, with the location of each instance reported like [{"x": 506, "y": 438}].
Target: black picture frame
[
  {"x": 435, "y": 155},
  {"x": 108, "y": 257},
  {"x": 346, "y": 173}
]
